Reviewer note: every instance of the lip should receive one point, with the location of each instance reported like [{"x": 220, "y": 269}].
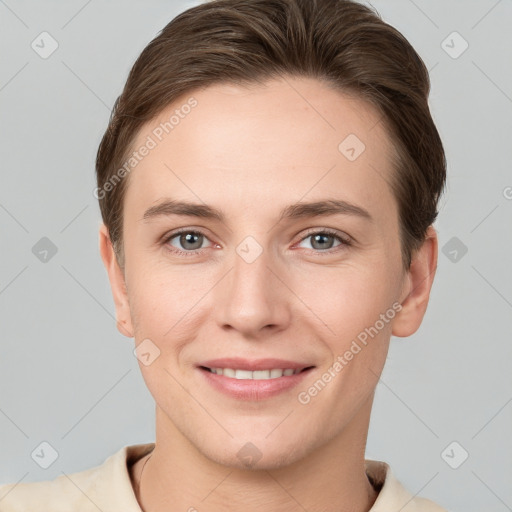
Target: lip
[
  {"x": 251, "y": 389},
  {"x": 239, "y": 363}
]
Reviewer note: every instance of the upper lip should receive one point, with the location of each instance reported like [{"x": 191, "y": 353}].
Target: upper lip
[{"x": 238, "y": 363}]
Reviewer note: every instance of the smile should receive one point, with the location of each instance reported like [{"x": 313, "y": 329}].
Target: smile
[
  {"x": 253, "y": 380},
  {"x": 256, "y": 374}
]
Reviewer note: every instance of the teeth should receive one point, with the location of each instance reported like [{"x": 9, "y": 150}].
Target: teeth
[
  {"x": 228, "y": 372},
  {"x": 254, "y": 375},
  {"x": 243, "y": 374},
  {"x": 261, "y": 374}
]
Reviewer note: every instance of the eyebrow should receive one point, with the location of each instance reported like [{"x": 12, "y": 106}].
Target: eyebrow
[{"x": 169, "y": 207}]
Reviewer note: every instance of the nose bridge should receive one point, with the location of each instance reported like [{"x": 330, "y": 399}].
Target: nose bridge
[
  {"x": 250, "y": 268},
  {"x": 251, "y": 297}
]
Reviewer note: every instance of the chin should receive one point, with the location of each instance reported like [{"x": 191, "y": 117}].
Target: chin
[{"x": 257, "y": 455}]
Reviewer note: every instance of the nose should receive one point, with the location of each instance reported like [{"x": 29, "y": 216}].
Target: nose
[{"x": 252, "y": 298}]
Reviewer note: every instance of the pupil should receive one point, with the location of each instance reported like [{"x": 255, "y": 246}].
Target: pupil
[
  {"x": 188, "y": 238},
  {"x": 319, "y": 237}
]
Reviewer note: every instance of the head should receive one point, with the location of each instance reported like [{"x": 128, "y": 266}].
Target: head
[{"x": 301, "y": 132}]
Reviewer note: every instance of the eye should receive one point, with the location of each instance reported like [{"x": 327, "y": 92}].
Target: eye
[
  {"x": 186, "y": 241},
  {"x": 324, "y": 240}
]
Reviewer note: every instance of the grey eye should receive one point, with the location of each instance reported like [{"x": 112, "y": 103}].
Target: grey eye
[{"x": 189, "y": 240}]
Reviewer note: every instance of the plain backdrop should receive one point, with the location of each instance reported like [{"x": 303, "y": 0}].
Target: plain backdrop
[{"x": 68, "y": 378}]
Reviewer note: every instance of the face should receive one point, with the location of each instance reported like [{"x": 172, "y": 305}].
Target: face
[{"x": 286, "y": 257}]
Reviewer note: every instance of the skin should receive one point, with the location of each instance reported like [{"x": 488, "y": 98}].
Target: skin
[{"x": 251, "y": 151}]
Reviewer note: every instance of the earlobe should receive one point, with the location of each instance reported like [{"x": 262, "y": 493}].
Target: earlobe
[
  {"x": 117, "y": 283},
  {"x": 417, "y": 286}
]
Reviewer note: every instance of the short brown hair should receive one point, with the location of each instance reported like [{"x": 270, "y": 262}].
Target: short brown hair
[{"x": 340, "y": 42}]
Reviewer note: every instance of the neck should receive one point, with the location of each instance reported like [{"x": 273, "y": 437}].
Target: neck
[{"x": 331, "y": 478}]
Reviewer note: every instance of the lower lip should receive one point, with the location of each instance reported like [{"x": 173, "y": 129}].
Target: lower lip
[{"x": 253, "y": 389}]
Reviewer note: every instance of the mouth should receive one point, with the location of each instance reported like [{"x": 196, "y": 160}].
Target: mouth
[
  {"x": 240, "y": 374},
  {"x": 255, "y": 380}
]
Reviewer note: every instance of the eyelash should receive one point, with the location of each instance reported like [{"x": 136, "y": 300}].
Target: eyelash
[{"x": 345, "y": 241}]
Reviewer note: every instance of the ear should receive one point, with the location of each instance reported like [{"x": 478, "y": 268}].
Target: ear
[
  {"x": 117, "y": 283},
  {"x": 417, "y": 286}
]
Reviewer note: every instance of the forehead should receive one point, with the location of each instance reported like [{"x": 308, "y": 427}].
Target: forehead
[{"x": 264, "y": 144}]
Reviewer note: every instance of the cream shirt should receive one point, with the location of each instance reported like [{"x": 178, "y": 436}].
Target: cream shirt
[{"x": 107, "y": 488}]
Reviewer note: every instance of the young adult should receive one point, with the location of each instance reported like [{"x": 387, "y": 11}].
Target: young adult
[{"x": 268, "y": 183}]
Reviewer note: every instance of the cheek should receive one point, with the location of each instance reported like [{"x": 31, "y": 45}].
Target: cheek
[
  {"x": 162, "y": 309},
  {"x": 345, "y": 300},
  {"x": 163, "y": 298}
]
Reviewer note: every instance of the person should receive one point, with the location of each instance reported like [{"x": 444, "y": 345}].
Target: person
[{"x": 268, "y": 184}]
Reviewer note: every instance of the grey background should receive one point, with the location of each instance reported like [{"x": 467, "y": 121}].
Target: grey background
[{"x": 69, "y": 378}]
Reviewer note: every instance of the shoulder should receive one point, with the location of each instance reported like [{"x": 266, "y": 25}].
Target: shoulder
[
  {"x": 426, "y": 505},
  {"x": 105, "y": 487},
  {"x": 52, "y": 495},
  {"x": 393, "y": 496}
]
